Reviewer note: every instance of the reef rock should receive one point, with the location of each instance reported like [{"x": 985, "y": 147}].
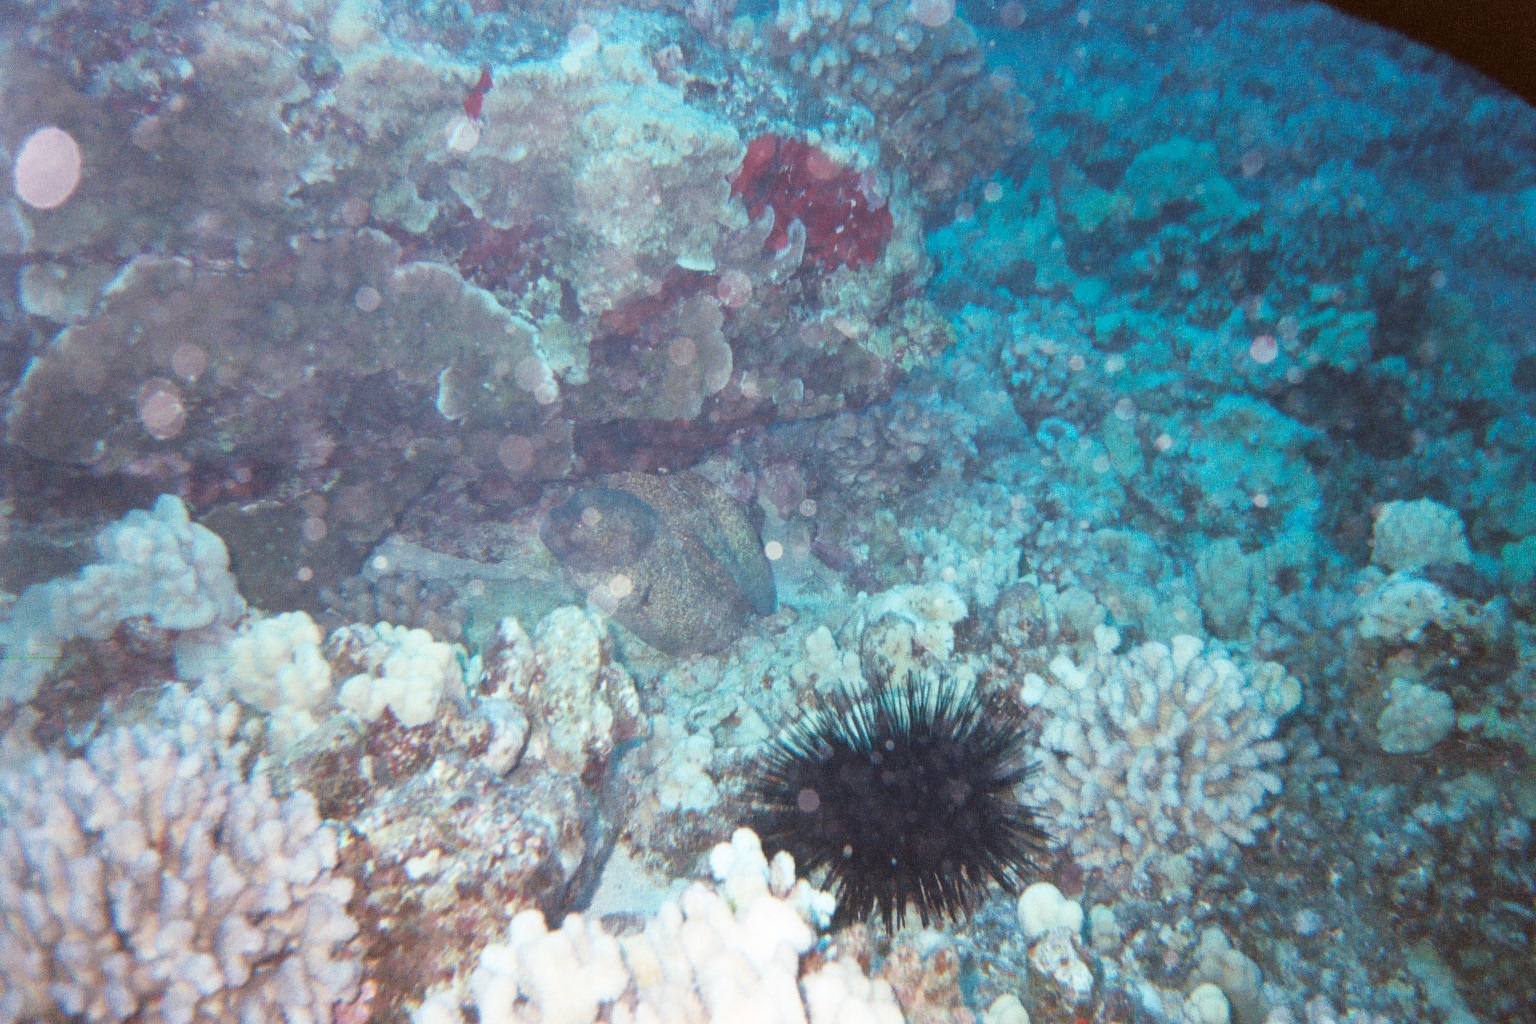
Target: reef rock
[{"x": 670, "y": 557}]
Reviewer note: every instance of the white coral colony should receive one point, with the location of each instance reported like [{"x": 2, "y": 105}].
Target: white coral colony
[{"x": 1159, "y": 750}]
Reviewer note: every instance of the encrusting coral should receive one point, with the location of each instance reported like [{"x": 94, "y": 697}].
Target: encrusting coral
[
  {"x": 506, "y": 255},
  {"x": 634, "y": 175},
  {"x": 581, "y": 702},
  {"x": 211, "y": 166},
  {"x": 169, "y": 364}
]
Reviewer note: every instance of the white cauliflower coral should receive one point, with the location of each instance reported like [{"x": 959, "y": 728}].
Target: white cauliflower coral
[
  {"x": 147, "y": 881},
  {"x": 724, "y": 953},
  {"x": 158, "y": 566},
  {"x": 401, "y": 669},
  {"x": 1162, "y": 749}
]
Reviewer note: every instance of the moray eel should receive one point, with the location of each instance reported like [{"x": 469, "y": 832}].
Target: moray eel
[{"x": 676, "y": 561}]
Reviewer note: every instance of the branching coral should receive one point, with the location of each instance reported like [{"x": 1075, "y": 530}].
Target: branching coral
[
  {"x": 1157, "y": 751},
  {"x": 146, "y": 881}
]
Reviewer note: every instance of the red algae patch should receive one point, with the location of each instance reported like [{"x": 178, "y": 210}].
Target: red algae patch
[{"x": 800, "y": 182}]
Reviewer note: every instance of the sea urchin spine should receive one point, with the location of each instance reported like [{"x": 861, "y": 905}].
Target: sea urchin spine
[{"x": 905, "y": 795}]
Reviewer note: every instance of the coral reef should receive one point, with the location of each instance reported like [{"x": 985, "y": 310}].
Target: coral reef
[
  {"x": 565, "y": 257},
  {"x": 211, "y": 166},
  {"x": 273, "y": 666},
  {"x": 504, "y": 795},
  {"x": 394, "y": 670},
  {"x": 157, "y": 566},
  {"x": 1167, "y": 748},
  {"x": 1193, "y": 420},
  {"x": 593, "y": 142},
  {"x": 149, "y": 880},
  {"x": 1053, "y": 925},
  {"x": 562, "y": 678},
  {"x": 401, "y": 597},
  {"x": 198, "y": 383},
  {"x": 1401, "y": 607},
  {"x": 1408, "y": 535},
  {"x": 724, "y": 953},
  {"x": 933, "y": 103},
  {"x": 924, "y": 973},
  {"x": 1415, "y": 718}
]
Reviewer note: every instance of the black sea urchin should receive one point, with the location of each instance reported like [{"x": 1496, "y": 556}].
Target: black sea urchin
[{"x": 904, "y": 795}]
